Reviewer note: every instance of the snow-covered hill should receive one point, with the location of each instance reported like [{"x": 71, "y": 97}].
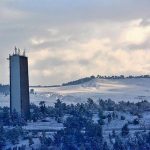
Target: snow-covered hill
[{"x": 117, "y": 89}]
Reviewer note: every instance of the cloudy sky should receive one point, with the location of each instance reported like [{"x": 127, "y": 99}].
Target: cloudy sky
[{"x": 70, "y": 39}]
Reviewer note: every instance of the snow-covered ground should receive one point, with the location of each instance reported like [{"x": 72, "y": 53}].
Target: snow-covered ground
[
  {"x": 117, "y": 89},
  {"x": 50, "y": 124},
  {"x": 36, "y": 144}
]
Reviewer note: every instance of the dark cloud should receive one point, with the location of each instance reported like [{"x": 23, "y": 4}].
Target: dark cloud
[{"x": 66, "y": 11}]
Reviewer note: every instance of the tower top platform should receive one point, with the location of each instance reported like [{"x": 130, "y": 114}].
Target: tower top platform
[{"x": 18, "y": 52}]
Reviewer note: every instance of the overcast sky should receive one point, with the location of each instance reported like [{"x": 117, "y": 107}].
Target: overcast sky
[{"x": 69, "y": 39}]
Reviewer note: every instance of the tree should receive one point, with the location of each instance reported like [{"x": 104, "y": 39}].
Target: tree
[
  {"x": 13, "y": 135},
  {"x": 71, "y": 136},
  {"x": 42, "y": 107},
  {"x": 125, "y": 130},
  {"x": 31, "y": 142},
  {"x": 58, "y": 137},
  {"x": 2, "y": 137},
  {"x": 113, "y": 115},
  {"x": 17, "y": 119},
  {"x": 101, "y": 117},
  {"x": 91, "y": 106},
  {"x": 105, "y": 146},
  {"x": 59, "y": 109},
  {"x": 148, "y": 137},
  {"x": 35, "y": 113},
  {"x": 94, "y": 136},
  {"x": 6, "y": 116},
  {"x": 118, "y": 145},
  {"x": 113, "y": 133},
  {"x": 109, "y": 118}
]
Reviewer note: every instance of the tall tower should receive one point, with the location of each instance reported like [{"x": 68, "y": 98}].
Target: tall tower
[{"x": 19, "y": 84}]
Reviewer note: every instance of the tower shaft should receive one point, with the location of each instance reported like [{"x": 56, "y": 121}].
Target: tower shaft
[{"x": 19, "y": 85}]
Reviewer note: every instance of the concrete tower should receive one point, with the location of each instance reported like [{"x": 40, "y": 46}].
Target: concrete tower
[{"x": 19, "y": 84}]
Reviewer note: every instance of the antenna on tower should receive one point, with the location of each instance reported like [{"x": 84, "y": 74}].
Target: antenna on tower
[
  {"x": 15, "y": 50},
  {"x": 18, "y": 51},
  {"x": 24, "y": 52}
]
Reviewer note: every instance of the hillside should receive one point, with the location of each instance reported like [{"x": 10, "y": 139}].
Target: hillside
[{"x": 133, "y": 90}]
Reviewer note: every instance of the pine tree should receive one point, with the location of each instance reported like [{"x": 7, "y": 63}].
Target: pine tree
[
  {"x": 6, "y": 116},
  {"x": 31, "y": 142},
  {"x": 125, "y": 130},
  {"x": 101, "y": 116},
  {"x": 42, "y": 107},
  {"x": 2, "y": 137},
  {"x": 13, "y": 135},
  {"x": 105, "y": 146},
  {"x": 109, "y": 118},
  {"x": 59, "y": 108},
  {"x": 118, "y": 145}
]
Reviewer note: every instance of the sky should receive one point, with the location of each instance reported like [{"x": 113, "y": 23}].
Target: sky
[{"x": 67, "y": 40}]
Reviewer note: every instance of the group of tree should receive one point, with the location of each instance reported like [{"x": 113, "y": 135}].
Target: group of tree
[
  {"x": 11, "y": 135},
  {"x": 4, "y": 89},
  {"x": 123, "y": 77},
  {"x": 80, "y": 131},
  {"x": 11, "y": 119},
  {"x": 61, "y": 109}
]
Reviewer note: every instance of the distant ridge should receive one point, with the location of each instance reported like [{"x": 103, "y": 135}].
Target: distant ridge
[
  {"x": 87, "y": 79},
  {"x": 5, "y": 88},
  {"x": 79, "y": 81}
]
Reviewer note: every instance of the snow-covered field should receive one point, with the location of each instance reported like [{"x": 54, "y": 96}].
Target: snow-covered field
[{"x": 117, "y": 89}]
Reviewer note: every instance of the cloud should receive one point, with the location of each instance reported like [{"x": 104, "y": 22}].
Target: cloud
[
  {"x": 66, "y": 40},
  {"x": 134, "y": 33},
  {"x": 94, "y": 54}
]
